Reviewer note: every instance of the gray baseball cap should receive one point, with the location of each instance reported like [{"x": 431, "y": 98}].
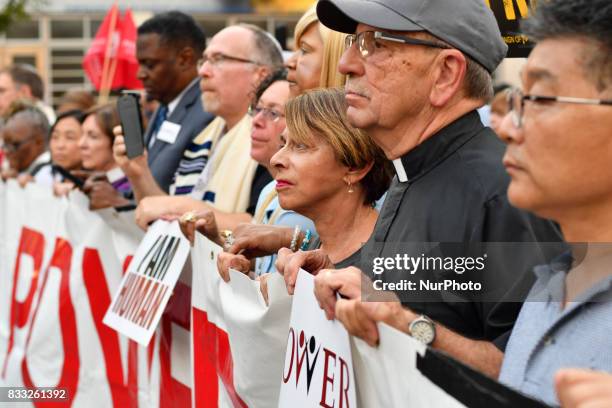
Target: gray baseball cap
[{"x": 468, "y": 25}]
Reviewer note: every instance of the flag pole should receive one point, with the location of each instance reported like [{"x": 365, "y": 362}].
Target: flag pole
[{"x": 105, "y": 86}]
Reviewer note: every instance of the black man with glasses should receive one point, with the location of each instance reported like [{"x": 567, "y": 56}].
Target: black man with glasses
[
  {"x": 558, "y": 155},
  {"x": 416, "y": 73},
  {"x": 25, "y": 136}
]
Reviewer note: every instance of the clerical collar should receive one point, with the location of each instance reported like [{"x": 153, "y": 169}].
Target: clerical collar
[{"x": 433, "y": 151}]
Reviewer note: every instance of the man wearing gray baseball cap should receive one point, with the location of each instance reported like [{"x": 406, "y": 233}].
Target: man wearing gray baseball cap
[{"x": 417, "y": 70}]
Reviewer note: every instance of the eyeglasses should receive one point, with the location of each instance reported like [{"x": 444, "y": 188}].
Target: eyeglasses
[
  {"x": 516, "y": 103},
  {"x": 217, "y": 59},
  {"x": 366, "y": 41},
  {"x": 269, "y": 114},
  {"x": 13, "y": 147}
]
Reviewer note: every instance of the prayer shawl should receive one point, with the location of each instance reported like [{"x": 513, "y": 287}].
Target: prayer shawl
[{"x": 227, "y": 176}]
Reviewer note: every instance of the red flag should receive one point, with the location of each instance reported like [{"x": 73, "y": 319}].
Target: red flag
[
  {"x": 111, "y": 61},
  {"x": 127, "y": 66}
]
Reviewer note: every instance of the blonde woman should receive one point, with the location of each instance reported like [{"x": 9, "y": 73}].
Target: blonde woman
[{"x": 315, "y": 61}]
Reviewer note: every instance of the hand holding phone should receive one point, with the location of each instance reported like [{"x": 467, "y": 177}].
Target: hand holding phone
[{"x": 128, "y": 106}]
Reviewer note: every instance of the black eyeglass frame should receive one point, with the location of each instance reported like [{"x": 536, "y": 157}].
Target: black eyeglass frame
[{"x": 14, "y": 147}]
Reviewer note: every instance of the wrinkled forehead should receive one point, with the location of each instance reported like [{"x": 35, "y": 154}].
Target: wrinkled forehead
[{"x": 234, "y": 41}]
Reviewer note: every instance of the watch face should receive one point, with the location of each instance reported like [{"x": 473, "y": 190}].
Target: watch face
[{"x": 423, "y": 332}]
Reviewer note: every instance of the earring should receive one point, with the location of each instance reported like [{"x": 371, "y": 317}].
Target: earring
[{"x": 350, "y": 187}]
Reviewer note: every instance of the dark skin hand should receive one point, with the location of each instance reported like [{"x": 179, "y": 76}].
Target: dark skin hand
[
  {"x": 202, "y": 221},
  {"x": 102, "y": 194},
  {"x": 9, "y": 174},
  {"x": 255, "y": 240}
]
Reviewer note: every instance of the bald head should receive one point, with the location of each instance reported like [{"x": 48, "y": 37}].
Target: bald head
[
  {"x": 237, "y": 59},
  {"x": 25, "y": 137}
]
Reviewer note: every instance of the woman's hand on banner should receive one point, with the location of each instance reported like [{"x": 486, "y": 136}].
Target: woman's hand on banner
[
  {"x": 225, "y": 261},
  {"x": 263, "y": 286},
  {"x": 288, "y": 264}
]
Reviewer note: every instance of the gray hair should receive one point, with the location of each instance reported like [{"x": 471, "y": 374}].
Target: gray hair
[
  {"x": 31, "y": 115},
  {"x": 478, "y": 83},
  {"x": 267, "y": 50}
]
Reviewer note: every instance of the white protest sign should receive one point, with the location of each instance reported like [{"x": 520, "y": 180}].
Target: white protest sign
[
  {"x": 387, "y": 375},
  {"x": 148, "y": 283},
  {"x": 318, "y": 370}
]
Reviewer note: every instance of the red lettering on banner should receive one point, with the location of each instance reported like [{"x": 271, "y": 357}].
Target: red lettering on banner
[
  {"x": 296, "y": 344},
  {"x": 69, "y": 378},
  {"x": 155, "y": 305},
  {"x": 144, "y": 306},
  {"x": 327, "y": 379},
  {"x": 123, "y": 394},
  {"x": 135, "y": 294},
  {"x": 212, "y": 359},
  {"x": 291, "y": 334},
  {"x": 140, "y": 298},
  {"x": 172, "y": 392},
  {"x": 30, "y": 243},
  {"x": 343, "y": 389},
  {"x": 150, "y": 351},
  {"x": 123, "y": 295}
]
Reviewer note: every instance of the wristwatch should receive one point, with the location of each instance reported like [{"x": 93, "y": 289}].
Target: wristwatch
[{"x": 423, "y": 329}]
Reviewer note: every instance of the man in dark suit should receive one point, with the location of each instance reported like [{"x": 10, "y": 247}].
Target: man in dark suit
[{"x": 168, "y": 48}]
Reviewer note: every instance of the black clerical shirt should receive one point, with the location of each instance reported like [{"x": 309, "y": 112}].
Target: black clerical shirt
[{"x": 452, "y": 188}]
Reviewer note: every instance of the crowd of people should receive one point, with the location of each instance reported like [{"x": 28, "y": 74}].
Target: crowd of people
[{"x": 365, "y": 139}]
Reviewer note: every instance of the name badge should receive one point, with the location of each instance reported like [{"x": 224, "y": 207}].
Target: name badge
[{"x": 168, "y": 132}]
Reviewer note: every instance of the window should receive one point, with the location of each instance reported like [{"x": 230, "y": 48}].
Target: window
[
  {"x": 66, "y": 29},
  {"x": 24, "y": 30}
]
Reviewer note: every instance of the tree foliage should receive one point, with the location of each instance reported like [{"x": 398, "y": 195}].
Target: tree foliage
[{"x": 12, "y": 11}]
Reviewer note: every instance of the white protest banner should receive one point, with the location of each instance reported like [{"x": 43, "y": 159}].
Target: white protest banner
[
  {"x": 387, "y": 375},
  {"x": 60, "y": 265},
  {"x": 213, "y": 378},
  {"x": 239, "y": 343},
  {"x": 318, "y": 368},
  {"x": 148, "y": 284},
  {"x": 257, "y": 335}
]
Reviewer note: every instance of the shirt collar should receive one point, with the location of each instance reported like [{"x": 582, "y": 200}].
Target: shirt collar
[
  {"x": 429, "y": 154},
  {"x": 44, "y": 158},
  {"x": 172, "y": 105},
  {"x": 552, "y": 280}
]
